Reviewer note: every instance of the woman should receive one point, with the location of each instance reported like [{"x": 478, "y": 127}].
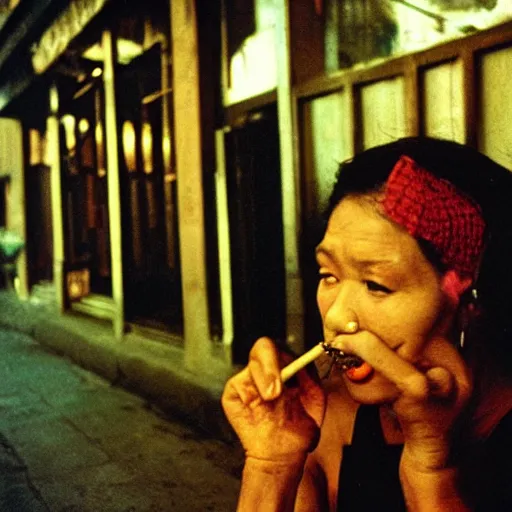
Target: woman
[{"x": 414, "y": 284}]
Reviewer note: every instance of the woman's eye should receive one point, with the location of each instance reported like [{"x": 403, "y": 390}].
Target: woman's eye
[
  {"x": 373, "y": 286},
  {"x": 327, "y": 278}
]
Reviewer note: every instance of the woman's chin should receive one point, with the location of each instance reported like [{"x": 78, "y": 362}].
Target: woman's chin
[{"x": 373, "y": 389}]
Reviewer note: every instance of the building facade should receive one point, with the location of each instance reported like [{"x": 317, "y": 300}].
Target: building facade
[{"x": 169, "y": 160}]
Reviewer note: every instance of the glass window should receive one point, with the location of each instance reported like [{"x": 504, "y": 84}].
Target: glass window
[
  {"x": 251, "y": 49},
  {"x": 382, "y": 109},
  {"x": 496, "y": 106},
  {"x": 363, "y": 31},
  {"x": 327, "y": 144}
]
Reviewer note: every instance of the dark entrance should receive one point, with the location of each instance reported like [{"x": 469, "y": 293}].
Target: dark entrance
[
  {"x": 152, "y": 278},
  {"x": 256, "y": 231},
  {"x": 39, "y": 224}
]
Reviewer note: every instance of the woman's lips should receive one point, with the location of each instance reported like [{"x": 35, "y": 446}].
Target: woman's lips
[
  {"x": 359, "y": 373},
  {"x": 354, "y": 367}
]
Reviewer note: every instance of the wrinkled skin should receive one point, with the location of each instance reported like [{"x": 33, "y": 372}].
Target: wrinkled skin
[{"x": 273, "y": 421}]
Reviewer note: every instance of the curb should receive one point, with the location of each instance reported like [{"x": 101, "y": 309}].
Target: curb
[{"x": 148, "y": 368}]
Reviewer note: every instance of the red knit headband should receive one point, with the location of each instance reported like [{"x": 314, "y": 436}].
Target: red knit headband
[{"x": 434, "y": 210}]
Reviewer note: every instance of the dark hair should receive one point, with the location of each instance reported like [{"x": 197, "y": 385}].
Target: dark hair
[{"x": 488, "y": 184}]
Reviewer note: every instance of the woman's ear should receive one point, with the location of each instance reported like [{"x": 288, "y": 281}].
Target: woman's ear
[{"x": 454, "y": 286}]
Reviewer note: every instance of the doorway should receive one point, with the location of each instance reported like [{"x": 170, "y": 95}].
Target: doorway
[
  {"x": 152, "y": 276},
  {"x": 256, "y": 231}
]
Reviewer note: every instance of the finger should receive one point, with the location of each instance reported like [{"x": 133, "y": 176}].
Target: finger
[
  {"x": 439, "y": 353},
  {"x": 406, "y": 377},
  {"x": 240, "y": 388},
  {"x": 264, "y": 368},
  {"x": 441, "y": 382}
]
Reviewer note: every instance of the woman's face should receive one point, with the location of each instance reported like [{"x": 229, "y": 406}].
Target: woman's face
[{"x": 373, "y": 272}]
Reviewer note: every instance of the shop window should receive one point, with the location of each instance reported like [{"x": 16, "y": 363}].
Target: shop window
[
  {"x": 361, "y": 31},
  {"x": 326, "y": 144},
  {"x": 496, "y": 98},
  {"x": 251, "y": 45},
  {"x": 443, "y": 106}
]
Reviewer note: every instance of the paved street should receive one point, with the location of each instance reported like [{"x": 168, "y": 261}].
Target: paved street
[{"x": 69, "y": 441}]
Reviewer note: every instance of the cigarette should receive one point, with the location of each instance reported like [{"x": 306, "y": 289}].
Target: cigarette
[
  {"x": 308, "y": 357},
  {"x": 344, "y": 361}
]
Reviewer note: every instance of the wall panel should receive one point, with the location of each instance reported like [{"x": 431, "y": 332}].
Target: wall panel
[
  {"x": 383, "y": 112},
  {"x": 443, "y": 102},
  {"x": 329, "y": 142},
  {"x": 495, "y": 137}
]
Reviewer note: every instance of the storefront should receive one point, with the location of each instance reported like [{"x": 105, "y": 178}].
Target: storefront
[
  {"x": 350, "y": 74},
  {"x": 98, "y": 116},
  {"x": 190, "y": 147},
  {"x": 110, "y": 124}
]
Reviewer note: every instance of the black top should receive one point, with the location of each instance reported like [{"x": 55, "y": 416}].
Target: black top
[
  {"x": 369, "y": 469},
  {"x": 369, "y": 479}
]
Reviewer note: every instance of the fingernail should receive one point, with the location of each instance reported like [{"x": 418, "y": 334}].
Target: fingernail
[{"x": 272, "y": 390}]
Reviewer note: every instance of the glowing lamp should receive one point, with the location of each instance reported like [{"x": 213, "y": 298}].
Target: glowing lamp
[{"x": 78, "y": 283}]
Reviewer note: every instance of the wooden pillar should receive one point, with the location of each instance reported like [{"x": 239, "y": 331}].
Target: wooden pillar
[
  {"x": 472, "y": 120},
  {"x": 114, "y": 193},
  {"x": 53, "y": 142},
  {"x": 187, "y": 129},
  {"x": 12, "y": 167},
  {"x": 221, "y": 193},
  {"x": 289, "y": 178},
  {"x": 413, "y": 99}
]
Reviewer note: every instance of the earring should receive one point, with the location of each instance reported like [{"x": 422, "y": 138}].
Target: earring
[{"x": 468, "y": 312}]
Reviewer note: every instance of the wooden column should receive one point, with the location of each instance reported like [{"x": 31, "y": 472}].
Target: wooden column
[
  {"x": 289, "y": 180},
  {"x": 470, "y": 86},
  {"x": 221, "y": 193},
  {"x": 114, "y": 193},
  {"x": 413, "y": 99},
  {"x": 187, "y": 129},
  {"x": 12, "y": 167},
  {"x": 53, "y": 142}
]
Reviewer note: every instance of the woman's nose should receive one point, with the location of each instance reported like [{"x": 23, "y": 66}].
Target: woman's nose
[{"x": 341, "y": 316}]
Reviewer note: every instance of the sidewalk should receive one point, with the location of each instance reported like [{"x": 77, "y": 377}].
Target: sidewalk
[
  {"x": 72, "y": 442},
  {"x": 151, "y": 369},
  {"x": 17, "y": 492}
]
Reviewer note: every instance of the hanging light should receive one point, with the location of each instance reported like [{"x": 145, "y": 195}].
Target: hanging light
[
  {"x": 69, "y": 123},
  {"x": 35, "y": 146},
  {"x": 83, "y": 126},
  {"x": 129, "y": 149},
  {"x": 147, "y": 148},
  {"x": 78, "y": 283},
  {"x": 100, "y": 150}
]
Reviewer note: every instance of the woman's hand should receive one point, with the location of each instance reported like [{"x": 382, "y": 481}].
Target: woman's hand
[
  {"x": 431, "y": 393},
  {"x": 277, "y": 425},
  {"x": 275, "y": 422}
]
